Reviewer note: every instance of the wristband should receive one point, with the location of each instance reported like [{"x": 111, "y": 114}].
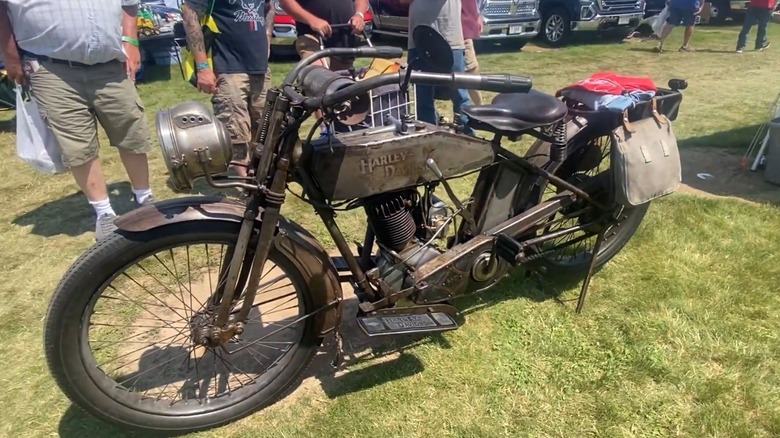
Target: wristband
[
  {"x": 202, "y": 65},
  {"x": 362, "y": 17},
  {"x": 132, "y": 41}
]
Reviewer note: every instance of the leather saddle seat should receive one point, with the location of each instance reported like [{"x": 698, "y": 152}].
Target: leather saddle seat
[{"x": 513, "y": 113}]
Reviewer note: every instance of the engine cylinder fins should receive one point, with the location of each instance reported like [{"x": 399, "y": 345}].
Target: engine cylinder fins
[{"x": 391, "y": 219}]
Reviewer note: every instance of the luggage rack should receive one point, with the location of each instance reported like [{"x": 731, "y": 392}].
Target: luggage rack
[{"x": 667, "y": 101}]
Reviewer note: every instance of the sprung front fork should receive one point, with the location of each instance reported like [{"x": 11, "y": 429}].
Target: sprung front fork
[{"x": 268, "y": 199}]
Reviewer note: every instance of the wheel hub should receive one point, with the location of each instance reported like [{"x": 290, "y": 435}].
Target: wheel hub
[{"x": 203, "y": 332}]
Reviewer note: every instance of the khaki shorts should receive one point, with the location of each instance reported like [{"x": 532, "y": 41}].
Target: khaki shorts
[
  {"x": 239, "y": 103},
  {"x": 71, "y": 99},
  {"x": 307, "y": 44},
  {"x": 471, "y": 56}
]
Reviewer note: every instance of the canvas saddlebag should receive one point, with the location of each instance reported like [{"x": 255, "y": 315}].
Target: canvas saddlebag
[{"x": 645, "y": 159}]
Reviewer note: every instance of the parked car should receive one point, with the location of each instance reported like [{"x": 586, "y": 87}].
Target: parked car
[
  {"x": 284, "y": 33},
  {"x": 512, "y": 22},
  {"x": 562, "y": 17}
]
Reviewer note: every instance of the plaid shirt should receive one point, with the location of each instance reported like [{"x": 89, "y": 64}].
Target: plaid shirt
[{"x": 85, "y": 31}]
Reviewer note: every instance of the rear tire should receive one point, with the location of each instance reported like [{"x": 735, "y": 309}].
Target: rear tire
[
  {"x": 74, "y": 365},
  {"x": 617, "y": 236}
]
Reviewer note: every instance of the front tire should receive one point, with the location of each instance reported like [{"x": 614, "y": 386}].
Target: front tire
[{"x": 80, "y": 375}]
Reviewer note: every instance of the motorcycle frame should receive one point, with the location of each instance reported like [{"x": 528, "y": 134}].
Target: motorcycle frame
[{"x": 274, "y": 166}]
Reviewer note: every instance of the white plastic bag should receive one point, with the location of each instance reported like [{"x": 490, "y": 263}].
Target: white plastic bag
[
  {"x": 35, "y": 144},
  {"x": 660, "y": 21}
]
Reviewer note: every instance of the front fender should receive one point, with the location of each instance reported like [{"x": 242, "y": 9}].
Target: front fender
[{"x": 297, "y": 244}]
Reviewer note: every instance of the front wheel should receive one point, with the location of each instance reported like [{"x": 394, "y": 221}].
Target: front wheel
[{"x": 125, "y": 335}]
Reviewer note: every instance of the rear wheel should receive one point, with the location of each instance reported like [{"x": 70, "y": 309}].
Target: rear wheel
[
  {"x": 125, "y": 335},
  {"x": 569, "y": 256}
]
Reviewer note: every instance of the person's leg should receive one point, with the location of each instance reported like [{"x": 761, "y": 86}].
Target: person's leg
[
  {"x": 60, "y": 93},
  {"x": 763, "y": 16},
  {"x": 426, "y": 109},
  {"x": 750, "y": 20},
  {"x": 231, "y": 107},
  {"x": 305, "y": 45},
  {"x": 687, "y": 38},
  {"x": 673, "y": 19},
  {"x": 689, "y": 21},
  {"x": 269, "y": 31},
  {"x": 257, "y": 93},
  {"x": 472, "y": 66},
  {"x": 122, "y": 115},
  {"x": 460, "y": 97}
]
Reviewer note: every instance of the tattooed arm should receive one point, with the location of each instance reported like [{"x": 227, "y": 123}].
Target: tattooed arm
[{"x": 192, "y": 12}]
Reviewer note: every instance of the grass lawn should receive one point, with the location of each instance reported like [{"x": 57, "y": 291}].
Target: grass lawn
[{"x": 680, "y": 336}]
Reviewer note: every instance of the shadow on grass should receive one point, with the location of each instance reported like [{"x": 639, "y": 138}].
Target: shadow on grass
[
  {"x": 711, "y": 167},
  {"x": 76, "y": 423},
  {"x": 72, "y": 215},
  {"x": 737, "y": 139}
]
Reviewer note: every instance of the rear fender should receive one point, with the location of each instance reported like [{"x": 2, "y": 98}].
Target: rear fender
[{"x": 297, "y": 244}]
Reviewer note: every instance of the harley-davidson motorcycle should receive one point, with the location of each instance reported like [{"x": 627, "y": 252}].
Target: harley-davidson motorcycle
[{"x": 201, "y": 310}]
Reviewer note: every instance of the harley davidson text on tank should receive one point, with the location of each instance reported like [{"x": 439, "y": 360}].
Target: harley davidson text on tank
[{"x": 200, "y": 310}]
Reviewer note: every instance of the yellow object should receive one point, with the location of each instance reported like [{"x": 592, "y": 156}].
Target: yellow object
[
  {"x": 209, "y": 28},
  {"x": 380, "y": 67}
]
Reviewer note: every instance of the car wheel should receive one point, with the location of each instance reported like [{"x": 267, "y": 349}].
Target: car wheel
[{"x": 556, "y": 27}]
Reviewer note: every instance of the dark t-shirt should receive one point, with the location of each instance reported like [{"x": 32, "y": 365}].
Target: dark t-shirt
[
  {"x": 334, "y": 12},
  {"x": 241, "y": 46}
]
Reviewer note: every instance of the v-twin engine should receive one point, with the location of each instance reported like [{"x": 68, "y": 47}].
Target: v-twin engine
[{"x": 405, "y": 224}]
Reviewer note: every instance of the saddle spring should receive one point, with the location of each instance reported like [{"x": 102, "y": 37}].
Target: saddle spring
[{"x": 558, "y": 147}]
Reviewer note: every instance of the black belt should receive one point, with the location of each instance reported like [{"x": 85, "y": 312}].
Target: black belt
[{"x": 69, "y": 63}]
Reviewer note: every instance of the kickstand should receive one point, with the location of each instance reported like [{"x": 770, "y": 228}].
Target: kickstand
[
  {"x": 591, "y": 269},
  {"x": 339, "y": 356}
]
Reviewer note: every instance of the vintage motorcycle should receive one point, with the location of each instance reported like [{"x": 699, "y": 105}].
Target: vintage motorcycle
[{"x": 201, "y": 310}]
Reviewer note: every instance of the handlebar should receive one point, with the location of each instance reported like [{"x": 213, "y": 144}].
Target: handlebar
[
  {"x": 384, "y": 52},
  {"x": 499, "y": 83}
]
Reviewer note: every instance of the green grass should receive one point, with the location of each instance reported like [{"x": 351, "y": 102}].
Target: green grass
[{"x": 679, "y": 337}]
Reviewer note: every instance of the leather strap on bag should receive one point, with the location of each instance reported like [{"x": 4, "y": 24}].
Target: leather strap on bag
[
  {"x": 656, "y": 115},
  {"x": 626, "y": 123}
]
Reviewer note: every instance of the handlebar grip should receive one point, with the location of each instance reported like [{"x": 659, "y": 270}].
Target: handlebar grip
[
  {"x": 506, "y": 83},
  {"x": 292, "y": 94},
  {"x": 384, "y": 52}
]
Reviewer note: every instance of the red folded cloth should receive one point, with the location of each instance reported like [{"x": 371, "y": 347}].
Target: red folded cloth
[{"x": 612, "y": 83}]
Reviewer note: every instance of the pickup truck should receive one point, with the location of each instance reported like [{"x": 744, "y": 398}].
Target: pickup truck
[
  {"x": 509, "y": 22},
  {"x": 284, "y": 33},
  {"x": 562, "y": 17}
]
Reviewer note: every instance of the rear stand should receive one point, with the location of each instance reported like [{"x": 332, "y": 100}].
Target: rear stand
[{"x": 591, "y": 270}]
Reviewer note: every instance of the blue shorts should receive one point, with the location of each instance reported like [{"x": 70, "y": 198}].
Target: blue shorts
[{"x": 678, "y": 16}]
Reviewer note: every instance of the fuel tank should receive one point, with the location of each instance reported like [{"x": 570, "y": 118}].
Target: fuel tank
[{"x": 372, "y": 161}]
